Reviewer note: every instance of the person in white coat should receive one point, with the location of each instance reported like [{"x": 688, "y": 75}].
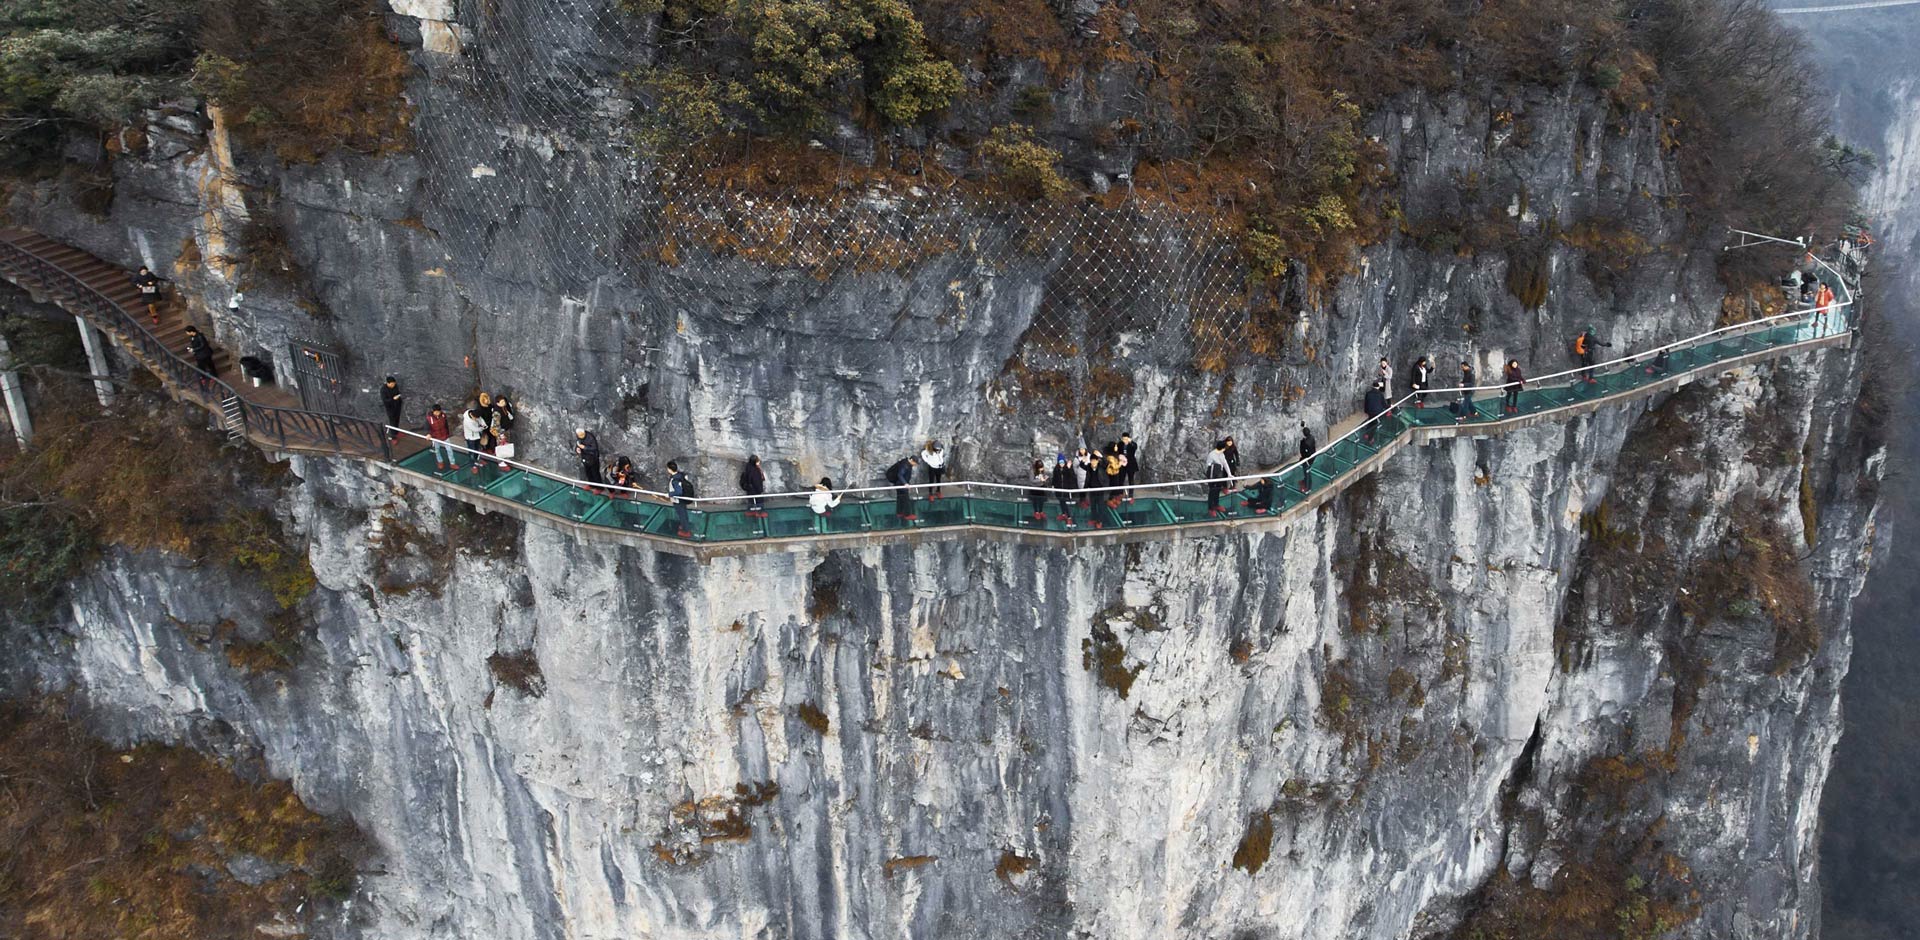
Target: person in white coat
[
  {"x": 823, "y": 501},
  {"x": 472, "y": 428},
  {"x": 935, "y": 460}
]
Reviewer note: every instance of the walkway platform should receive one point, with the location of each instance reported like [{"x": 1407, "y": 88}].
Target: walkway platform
[
  {"x": 713, "y": 527},
  {"x": 269, "y": 416}
]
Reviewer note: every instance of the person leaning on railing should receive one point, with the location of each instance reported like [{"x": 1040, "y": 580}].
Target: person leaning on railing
[
  {"x": 623, "y": 475},
  {"x": 935, "y": 460},
  {"x": 823, "y": 502}
]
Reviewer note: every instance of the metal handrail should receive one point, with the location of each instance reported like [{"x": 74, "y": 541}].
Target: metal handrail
[
  {"x": 1323, "y": 453},
  {"x": 181, "y": 371},
  {"x": 270, "y": 421}
]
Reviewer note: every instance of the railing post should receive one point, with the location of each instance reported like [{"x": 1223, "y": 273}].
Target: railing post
[{"x": 16, "y": 399}]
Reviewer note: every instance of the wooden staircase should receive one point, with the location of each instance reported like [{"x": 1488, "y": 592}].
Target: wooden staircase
[{"x": 117, "y": 284}]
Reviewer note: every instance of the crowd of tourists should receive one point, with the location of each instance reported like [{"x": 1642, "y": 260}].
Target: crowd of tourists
[{"x": 1101, "y": 481}]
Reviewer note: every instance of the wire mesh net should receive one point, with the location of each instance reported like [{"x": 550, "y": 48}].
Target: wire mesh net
[{"x": 530, "y": 93}]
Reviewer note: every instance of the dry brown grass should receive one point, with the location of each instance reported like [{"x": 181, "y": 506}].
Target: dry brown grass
[
  {"x": 303, "y": 78},
  {"x": 134, "y": 844},
  {"x": 1622, "y": 887},
  {"x": 1755, "y": 574}
]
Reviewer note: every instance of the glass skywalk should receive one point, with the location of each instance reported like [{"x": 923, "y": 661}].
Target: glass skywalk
[{"x": 1163, "y": 505}]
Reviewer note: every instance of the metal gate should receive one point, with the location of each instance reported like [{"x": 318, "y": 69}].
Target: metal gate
[{"x": 321, "y": 375}]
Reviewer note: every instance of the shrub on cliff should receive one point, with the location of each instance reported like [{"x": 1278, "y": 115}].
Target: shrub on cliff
[
  {"x": 304, "y": 77},
  {"x": 1027, "y": 167},
  {"x": 299, "y": 76},
  {"x": 798, "y": 61},
  {"x": 40, "y": 551}
]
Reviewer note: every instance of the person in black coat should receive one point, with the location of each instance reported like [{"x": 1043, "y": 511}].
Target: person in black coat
[
  {"x": 1129, "y": 471},
  {"x": 1260, "y": 496},
  {"x": 1308, "y": 447},
  {"x": 200, "y": 350},
  {"x": 586, "y": 446},
  {"x": 1376, "y": 406},
  {"x": 1064, "y": 484},
  {"x": 1419, "y": 378},
  {"x": 148, "y": 284},
  {"x": 1096, "y": 479},
  {"x": 1464, "y": 410},
  {"x": 1514, "y": 380},
  {"x": 901, "y": 475},
  {"x": 753, "y": 482},
  {"x": 390, "y": 400}
]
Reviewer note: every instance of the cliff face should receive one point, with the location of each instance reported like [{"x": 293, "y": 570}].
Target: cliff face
[
  {"x": 1866, "y": 858},
  {"x": 1413, "y": 690},
  {"x": 1495, "y": 676}
]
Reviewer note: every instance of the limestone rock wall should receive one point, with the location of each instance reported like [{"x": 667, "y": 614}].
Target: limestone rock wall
[{"x": 1347, "y": 730}]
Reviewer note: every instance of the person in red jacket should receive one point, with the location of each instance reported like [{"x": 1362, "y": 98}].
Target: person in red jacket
[
  {"x": 1510, "y": 392},
  {"x": 439, "y": 433}
]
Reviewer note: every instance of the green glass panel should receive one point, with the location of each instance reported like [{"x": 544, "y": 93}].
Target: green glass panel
[
  {"x": 477, "y": 476},
  {"x": 949, "y": 509},
  {"x": 523, "y": 487},
  {"x": 1188, "y": 509},
  {"x": 789, "y": 521},
  {"x": 1146, "y": 511},
  {"x": 421, "y": 462},
  {"x": 733, "y": 526},
  {"x": 571, "y": 502},
  {"x": 624, "y": 514},
  {"x": 671, "y": 520},
  {"x": 883, "y": 512},
  {"x": 996, "y": 512}
]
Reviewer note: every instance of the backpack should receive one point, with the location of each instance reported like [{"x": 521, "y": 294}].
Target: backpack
[{"x": 686, "y": 487}]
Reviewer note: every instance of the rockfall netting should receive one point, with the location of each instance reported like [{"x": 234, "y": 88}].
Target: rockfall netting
[{"x": 520, "y": 82}]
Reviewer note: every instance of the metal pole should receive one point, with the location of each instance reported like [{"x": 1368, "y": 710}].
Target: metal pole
[
  {"x": 15, "y": 396},
  {"x": 96, "y": 361}
]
